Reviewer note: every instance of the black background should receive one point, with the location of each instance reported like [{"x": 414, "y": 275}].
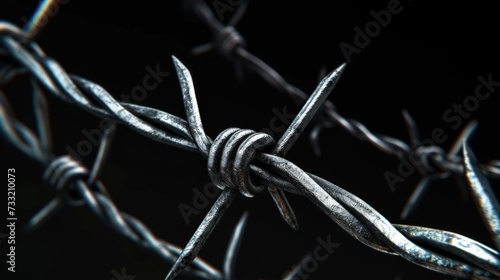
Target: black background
[{"x": 425, "y": 60}]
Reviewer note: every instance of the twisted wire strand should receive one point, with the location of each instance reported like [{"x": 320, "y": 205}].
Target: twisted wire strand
[
  {"x": 350, "y": 212},
  {"x": 234, "y": 144},
  {"x": 101, "y": 205},
  {"x": 55, "y": 79},
  {"x": 483, "y": 195},
  {"x": 364, "y": 223},
  {"x": 67, "y": 175},
  {"x": 372, "y": 229},
  {"x": 433, "y": 163}
]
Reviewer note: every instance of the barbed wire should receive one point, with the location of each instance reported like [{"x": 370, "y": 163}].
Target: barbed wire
[
  {"x": 77, "y": 186},
  {"x": 432, "y": 162},
  {"x": 67, "y": 175},
  {"x": 237, "y": 159}
]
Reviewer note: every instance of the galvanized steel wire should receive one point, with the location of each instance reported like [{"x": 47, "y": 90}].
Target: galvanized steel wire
[{"x": 238, "y": 159}]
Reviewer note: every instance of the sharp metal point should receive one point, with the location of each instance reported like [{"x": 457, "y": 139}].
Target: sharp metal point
[
  {"x": 297, "y": 269},
  {"x": 412, "y": 129},
  {"x": 482, "y": 194},
  {"x": 464, "y": 135},
  {"x": 415, "y": 198},
  {"x": 353, "y": 214},
  {"x": 191, "y": 107},
  {"x": 43, "y": 215},
  {"x": 284, "y": 144},
  {"x": 233, "y": 247},
  {"x": 307, "y": 112},
  {"x": 284, "y": 207},
  {"x": 295, "y": 129},
  {"x": 102, "y": 153},
  {"x": 202, "y": 233},
  {"x": 227, "y": 196},
  {"x": 238, "y": 14}
]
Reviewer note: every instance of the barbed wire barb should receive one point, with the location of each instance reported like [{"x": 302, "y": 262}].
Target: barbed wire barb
[
  {"x": 428, "y": 172},
  {"x": 65, "y": 175},
  {"x": 239, "y": 160},
  {"x": 203, "y": 142},
  {"x": 438, "y": 165},
  {"x": 297, "y": 269},
  {"x": 234, "y": 247},
  {"x": 482, "y": 194},
  {"x": 230, "y": 139}
]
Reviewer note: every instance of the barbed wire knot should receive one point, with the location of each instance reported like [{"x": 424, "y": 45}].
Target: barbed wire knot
[
  {"x": 64, "y": 171},
  {"x": 230, "y": 156},
  {"x": 227, "y": 40},
  {"x": 426, "y": 158}
]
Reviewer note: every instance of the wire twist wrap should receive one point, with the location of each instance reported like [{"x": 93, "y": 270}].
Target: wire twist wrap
[{"x": 230, "y": 156}]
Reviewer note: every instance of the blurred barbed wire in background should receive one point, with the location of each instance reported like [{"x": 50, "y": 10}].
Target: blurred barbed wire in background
[{"x": 239, "y": 159}]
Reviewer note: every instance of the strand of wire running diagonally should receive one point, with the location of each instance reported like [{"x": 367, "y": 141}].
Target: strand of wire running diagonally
[
  {"x": 432, "y": 162},
  {"x": 351, "y": 213},
  {"x": 63, "y": 84},
  {"x": 67, "y": 175},
  {"x": 63, "y": 171},
  {"x": 53, "y": 77},
  {"x": 482, "y": 195},
  {"x": 238, "y": 146}
]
